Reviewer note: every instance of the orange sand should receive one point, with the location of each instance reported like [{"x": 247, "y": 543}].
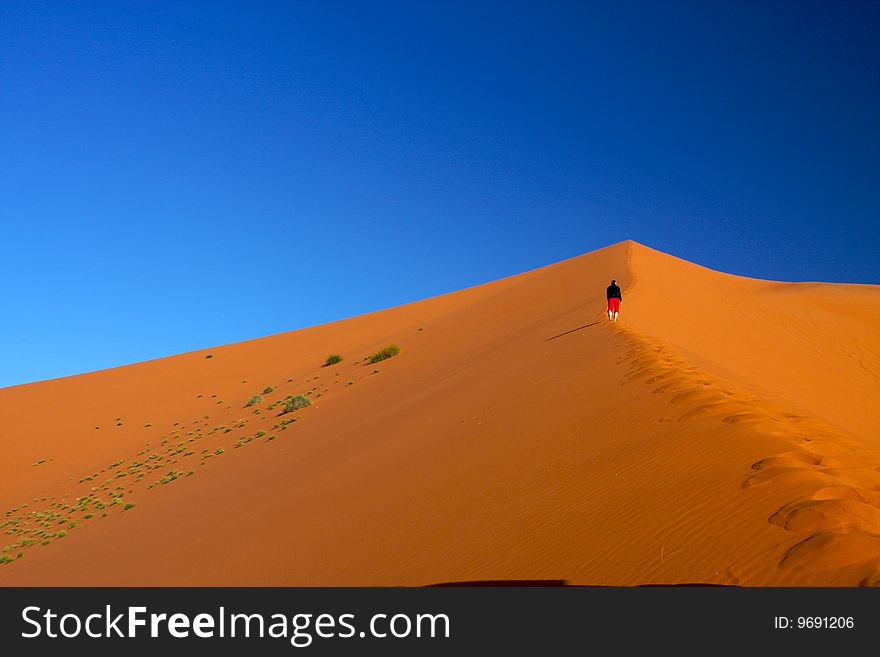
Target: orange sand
[{"x": 518, "y": 435}]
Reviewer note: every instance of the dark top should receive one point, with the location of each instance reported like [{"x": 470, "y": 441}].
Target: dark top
[{"x": 613, "y": 292}]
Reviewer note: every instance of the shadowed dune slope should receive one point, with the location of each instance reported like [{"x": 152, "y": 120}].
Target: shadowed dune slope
[{"x": 723, "y": 432}]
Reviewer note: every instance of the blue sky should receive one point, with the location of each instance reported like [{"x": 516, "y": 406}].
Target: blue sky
[{"x": 177, "y": 175}]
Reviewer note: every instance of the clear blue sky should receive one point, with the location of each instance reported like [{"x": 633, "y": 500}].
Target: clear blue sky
[{"x": 177, "y": 175}]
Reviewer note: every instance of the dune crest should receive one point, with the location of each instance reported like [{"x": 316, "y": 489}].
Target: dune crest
[{"x": 725, "y": 431}]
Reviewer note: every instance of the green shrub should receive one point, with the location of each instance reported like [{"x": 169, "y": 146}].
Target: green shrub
[
  {"x": 171, "y": 476},
  {"x": 382, "y": 354},
  {"x": 129, "y": 505},
  {"x": 296, "y": 402},
  {"x": 332, "y": 359},
  {"x": 256, "y": 399},
  {"x": 268, "y": 389}
]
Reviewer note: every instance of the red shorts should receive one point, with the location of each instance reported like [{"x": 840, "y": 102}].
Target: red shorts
[{"x": 614, "y": 304}]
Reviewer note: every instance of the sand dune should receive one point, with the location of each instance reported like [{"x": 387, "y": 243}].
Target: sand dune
[{"x": 725, "y": 431}]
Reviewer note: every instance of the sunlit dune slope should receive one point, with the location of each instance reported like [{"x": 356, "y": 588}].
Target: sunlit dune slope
[
  {"x": 724, "y": 431},
  {"x": 815, "y": 346}
]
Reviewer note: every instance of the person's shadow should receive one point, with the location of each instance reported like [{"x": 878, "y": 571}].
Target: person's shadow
[{"x": 571, "y": 331}]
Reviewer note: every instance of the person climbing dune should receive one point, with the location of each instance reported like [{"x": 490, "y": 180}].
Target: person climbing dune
[{"x": 614, "y": 300}]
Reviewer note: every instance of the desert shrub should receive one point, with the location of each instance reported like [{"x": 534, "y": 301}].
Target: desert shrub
[
  {"x": 332, "y": 359},
  {"x": 296, "y": 402},
  {"x": 129, "y": 505},
  {"x": 256, "y": 399},
  {"x": 382, "y": 354},
  {"x": 268, "y": 389},
  {"x": 171, "y": 476}
]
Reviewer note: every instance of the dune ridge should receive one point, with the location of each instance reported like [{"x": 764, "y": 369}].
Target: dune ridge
[
  {"x": 722, "y": 432},
  {"x": 833, "y": 481}
]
